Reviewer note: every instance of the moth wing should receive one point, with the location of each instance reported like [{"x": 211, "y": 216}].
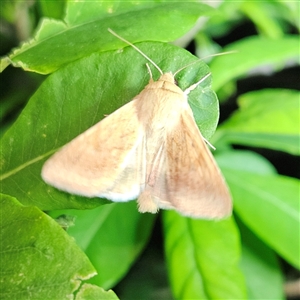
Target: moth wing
[
  {"x": 103, "y": 161},
  {"x": 195, "y": 185},
  {"x": 155, "y": 194}
]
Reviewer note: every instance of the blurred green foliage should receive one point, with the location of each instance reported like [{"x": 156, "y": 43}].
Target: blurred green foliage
[{"x": 237, "y": 258}]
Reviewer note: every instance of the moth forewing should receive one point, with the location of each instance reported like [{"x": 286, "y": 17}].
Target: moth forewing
[
  {"x": 197, "y": 187},
  {"x": 103, "y": 161}
]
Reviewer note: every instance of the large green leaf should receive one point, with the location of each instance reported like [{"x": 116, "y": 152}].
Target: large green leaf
[
  {"x": 266, "y": 202},
  {"x": 261, "y": 13},
  {"x": 73, "y": 99},
  {"x": 257, "y": 258},
  {"x": 52, "y": 9},
  {"x": 112, "y": 236},
  {"x": 203, "y": 258},
  {"x": 93, "y": 292},
  {"x": 266, "y": 118},
  {"x": 84, "y": 30},
  {"x": 254, "y": 55},
  {"x": 148, "y": 276},
  {"x": 38, "y": 260}
]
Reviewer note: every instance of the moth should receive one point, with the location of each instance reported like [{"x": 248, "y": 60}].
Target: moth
[{"x": 150, "y": 149}]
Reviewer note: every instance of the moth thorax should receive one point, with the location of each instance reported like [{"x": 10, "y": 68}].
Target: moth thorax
[{"x": 168, "y": 77}]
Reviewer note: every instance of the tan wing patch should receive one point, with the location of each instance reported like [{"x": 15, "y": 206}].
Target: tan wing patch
[
  {"x": 155, "y": 192},
  {"x": 195, "y": 185},
  {"x": 107, "y": 160}
]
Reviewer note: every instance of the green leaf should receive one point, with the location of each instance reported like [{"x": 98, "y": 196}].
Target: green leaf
[
  {"x": 267, "y": 203},
  {"x": 93, "y": 292},
  {"x": 76, "y": 97},
  {"x": 203, "y": 258},
  {"x": 261, "y": 13},
  {"x": 38, "y": 259},
  {"x": 266, "y": 118},
  {"x": 81, "y": 34},
  {"x": 257, "y": 258},
  {"x": 112, "y": 236},
  {"x": 254, "y": 55},
  {"x": 148, "y": 276},
  {"x": 238, "y": 160},
  {"x": 52, "y": 9}
]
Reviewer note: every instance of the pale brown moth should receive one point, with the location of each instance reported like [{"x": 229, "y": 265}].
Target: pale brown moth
[{"x": 150, "y": 149}]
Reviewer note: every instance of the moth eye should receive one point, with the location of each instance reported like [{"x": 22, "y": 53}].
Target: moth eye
[{"x": 175, "y": 81}]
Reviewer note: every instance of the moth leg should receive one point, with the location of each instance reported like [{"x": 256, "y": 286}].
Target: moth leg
[{"x": 149, "y": 70}]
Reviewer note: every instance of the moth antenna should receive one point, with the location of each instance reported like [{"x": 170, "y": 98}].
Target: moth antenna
[
  {"x": 137, "y": 49},
  {"x": 198, "y": 60}
]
